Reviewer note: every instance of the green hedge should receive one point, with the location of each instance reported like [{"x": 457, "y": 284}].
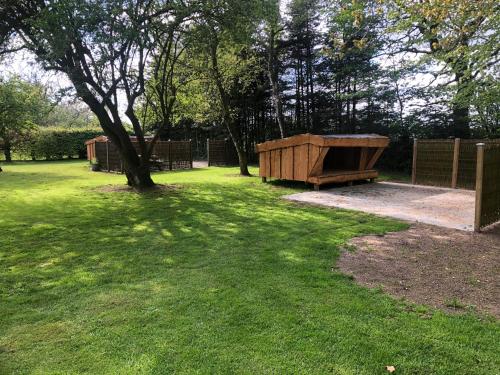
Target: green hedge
[{"x": 58, "y": 143}]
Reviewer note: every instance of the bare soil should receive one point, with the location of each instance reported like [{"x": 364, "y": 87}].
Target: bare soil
[{"x": 448, "y": 269}]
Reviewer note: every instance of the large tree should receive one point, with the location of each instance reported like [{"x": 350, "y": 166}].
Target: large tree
[
  {"x": 22, "y": 106},
  {"x": 303, "y": 35},
  {"x": 105, "y": 49},
  {"x": 221, "y": 46},
  {"x": 348, "y": 69},
  {"x": 273, "y": 30},
  {"x": 462, "y": 36}
]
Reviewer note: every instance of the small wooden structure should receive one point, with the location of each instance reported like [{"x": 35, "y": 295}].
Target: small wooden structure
[
  {"x": 322, "y": 159},
  {"x": 166, "y": 154}
]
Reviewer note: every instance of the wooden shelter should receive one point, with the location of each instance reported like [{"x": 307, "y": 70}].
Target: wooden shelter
[{"x": 322, "y": 159}]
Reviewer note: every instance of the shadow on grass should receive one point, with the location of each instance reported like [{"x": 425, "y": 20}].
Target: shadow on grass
[
  {"x": 214, "y": 277},
  {"x": 29, "y": 179}
]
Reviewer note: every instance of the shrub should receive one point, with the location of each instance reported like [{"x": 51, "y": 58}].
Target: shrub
[{"x": 57, "y": 143}]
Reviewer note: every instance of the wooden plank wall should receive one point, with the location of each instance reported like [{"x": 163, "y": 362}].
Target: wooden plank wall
[
  {"x": 290, "y": 163},
  {"x": 301, "y": 162},
  {"x": 276, "y": 163},
  {"x": 287, "y": 172}
]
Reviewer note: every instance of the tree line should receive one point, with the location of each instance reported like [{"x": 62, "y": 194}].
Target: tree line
[{"x": 260, "y": 69}]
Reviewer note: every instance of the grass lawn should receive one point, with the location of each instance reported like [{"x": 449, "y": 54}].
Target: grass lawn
[
  {"x": 393, "y": 176},
  {"x": 218, "y": 276}
]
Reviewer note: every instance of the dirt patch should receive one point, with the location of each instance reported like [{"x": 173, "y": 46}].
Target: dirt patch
[
  {"x": 444, "y": 268},
  {"x": 158, "y": 188}
]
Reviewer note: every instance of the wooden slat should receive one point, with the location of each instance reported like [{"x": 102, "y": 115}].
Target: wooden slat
[
  {"x": 262, "y": 164},
  {"x": 363, "y": 158},
  {"x": 374, "y": 158},
  {"x": 287, "y": 163},
  {"x": 314, "y": 152},
  {"x": 265, "y": 165},
  {"x": 301, "y": 139},
  {"x": 275, "y": 163},
  {"x": 318, "y": 163},
  {"x": 344, "y": 176},
  {"x": 357, "y": 142},
  {"x": 283, "y": 143},
  {"x": 300, "y": 155}
]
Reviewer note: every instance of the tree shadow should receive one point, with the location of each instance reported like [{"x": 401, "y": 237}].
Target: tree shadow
[{"x": 211, "y": 276}]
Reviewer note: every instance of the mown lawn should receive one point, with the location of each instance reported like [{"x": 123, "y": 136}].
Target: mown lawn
[{"x": 218, "y": 276}]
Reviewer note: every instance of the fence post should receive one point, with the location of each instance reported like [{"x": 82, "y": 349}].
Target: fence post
[
  {"x": 226, "y": 153},
  {"x": 414, "y": 163},
  {"x": 107, "y": 155},
  {"x": 208, "y": 151},
  {"x": 456, "y": 155},
  {"x": 191, "y": 153},
  {"x": 170, "y": 154},
  {"x": 479, "y": 186}
]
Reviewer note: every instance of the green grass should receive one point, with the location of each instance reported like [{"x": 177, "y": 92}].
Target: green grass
[
  {"x": 218, "y": 276},
  {"x": 394, "y": 176}
]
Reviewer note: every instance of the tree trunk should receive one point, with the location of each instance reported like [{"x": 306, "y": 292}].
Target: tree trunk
[
  {"x": 7, "y": 151},
  {"x": 226, "y": 115},
  {"x": 460, "y": 114},
  {"x": 242, "y": 157},
  {"x": 243, "y": 162},
  {"x": 137, "y": 169},
  {"x": 460, "y": 106},
  {"x": 139, "y": 177},
  {"x": 272, "y": 72}
]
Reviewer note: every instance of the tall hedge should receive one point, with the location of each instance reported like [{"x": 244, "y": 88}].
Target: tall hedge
[{"x": 58, "y": 143}]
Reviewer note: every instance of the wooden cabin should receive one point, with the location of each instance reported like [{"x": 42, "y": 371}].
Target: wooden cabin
[{"x": 322, "y": 159}]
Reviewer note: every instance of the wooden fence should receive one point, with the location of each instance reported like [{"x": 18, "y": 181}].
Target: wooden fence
[
  {"x": 221, "y": 153},
  {"x": 166, "y": 155},
  {"x": 458, "y": 163},
  {"x": 446, "y": 162}
]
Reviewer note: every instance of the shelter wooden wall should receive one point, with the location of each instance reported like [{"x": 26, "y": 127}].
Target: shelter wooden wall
[{"x": 289, "y": 163}]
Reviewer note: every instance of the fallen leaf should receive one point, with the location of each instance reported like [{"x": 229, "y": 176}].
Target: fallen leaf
[{"x": 390, "y": 368}]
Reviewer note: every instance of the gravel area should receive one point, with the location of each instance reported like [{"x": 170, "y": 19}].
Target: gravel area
[
  {"x": 450, "y": 208},
  {"x": 200, "y": 164}
]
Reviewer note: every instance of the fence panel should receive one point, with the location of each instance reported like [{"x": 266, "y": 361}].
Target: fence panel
[
  {"x": 180, "y": 156},
  {"x": 467, "y": 160},
  {"x": 221, "y": 152},
  {"x": 166, "y": 155},
  {"x": 490, "y": 190},
  {"x": 434, "y": 162}
]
